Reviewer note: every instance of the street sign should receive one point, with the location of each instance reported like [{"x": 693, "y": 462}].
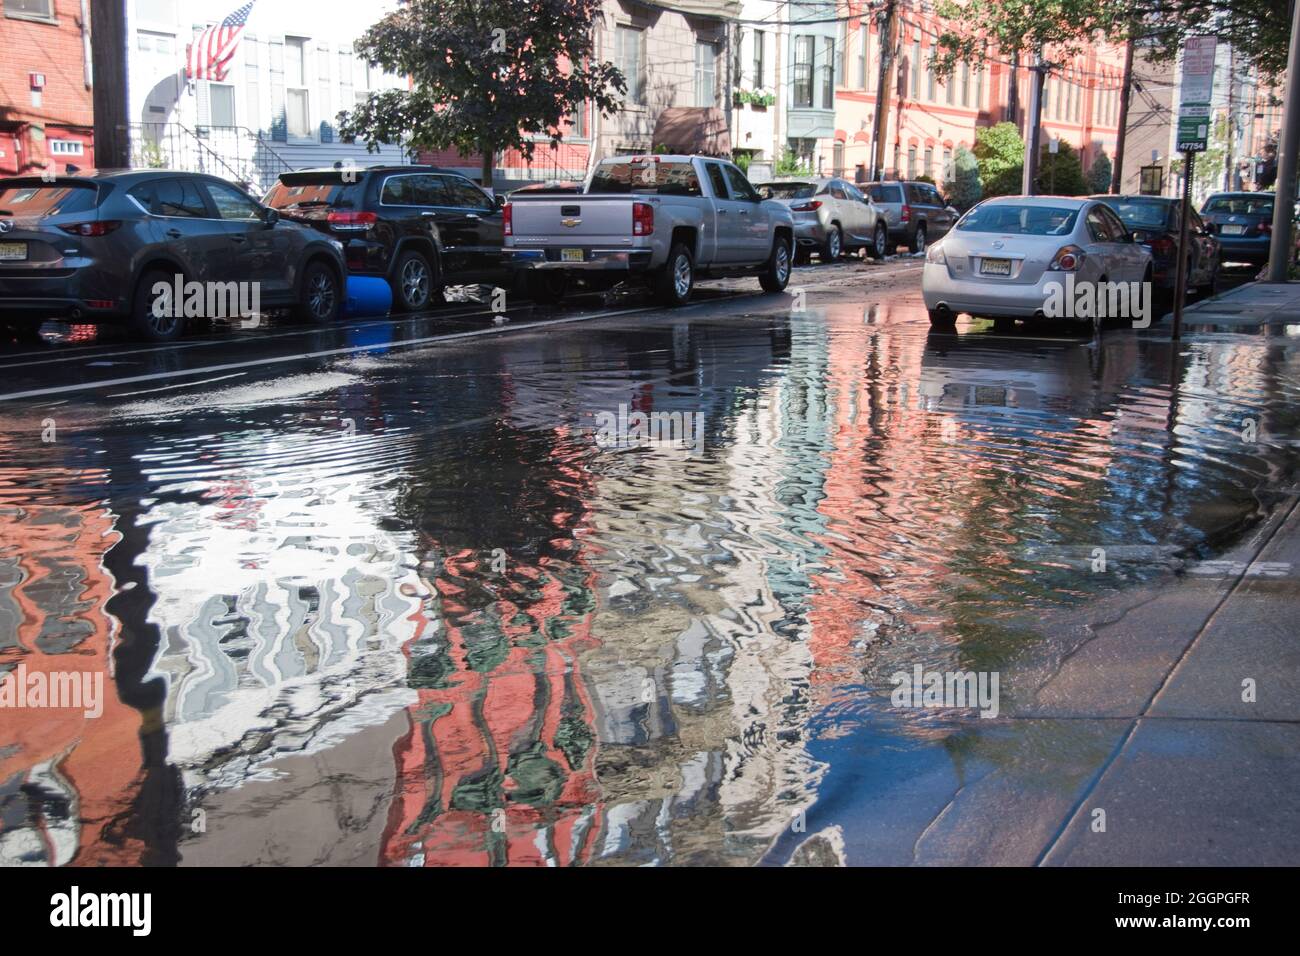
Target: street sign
[{"x": 1197, "y": 94}]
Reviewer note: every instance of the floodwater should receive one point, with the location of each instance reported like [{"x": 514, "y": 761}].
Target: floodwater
[{"x": 406, "y": 609}]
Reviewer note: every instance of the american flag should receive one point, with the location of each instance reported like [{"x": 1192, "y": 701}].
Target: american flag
[{"x": 209, "y": 55}]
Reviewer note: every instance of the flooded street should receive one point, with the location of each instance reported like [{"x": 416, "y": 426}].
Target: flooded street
[{"x": 382, "y": 601}]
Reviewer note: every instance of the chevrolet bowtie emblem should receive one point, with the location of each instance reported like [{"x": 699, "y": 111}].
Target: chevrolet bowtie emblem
[{"x": 570, "y": 222}]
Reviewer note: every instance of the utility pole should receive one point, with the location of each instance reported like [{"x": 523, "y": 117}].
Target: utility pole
[
  {"x": 1033, "y": 139},
  {"x": 1279, "y": 250},
  {"x": 1013, "y": 91},
  {"x": 882, "y": 90},
  {"x": 1231, "y": 118},
  {"x": 108, "y": 52},
  {"x": 1117, "y": 173}
]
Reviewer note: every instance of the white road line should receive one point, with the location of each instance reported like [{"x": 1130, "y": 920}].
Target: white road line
[
  {"x": 171, "y": 388},
  {"x": 351, "y": 350}
]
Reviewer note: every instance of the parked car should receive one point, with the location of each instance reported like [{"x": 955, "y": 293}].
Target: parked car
[
  {"x": 1156, "y": 224},
  {"x": 1243, "y": 224},
  {"x": 831, "y": 217},
  {"x": 916, "y": 213},
  {"x": 91, "y": 247},
  {"x": 420, "y": 227},
  {"x": 665, "y": 220},
  {"x": 1004, "y": 253}
]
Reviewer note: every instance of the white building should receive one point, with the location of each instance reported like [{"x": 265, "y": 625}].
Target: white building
[{"x": 292, "y": 73}]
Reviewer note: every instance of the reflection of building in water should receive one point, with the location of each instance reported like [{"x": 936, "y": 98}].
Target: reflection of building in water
[
  {"x": 66, "y": 779},
  {"x": 282, "y": 606}
]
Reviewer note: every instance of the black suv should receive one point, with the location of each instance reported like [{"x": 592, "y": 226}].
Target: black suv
[
  {"x": 93, "y": 247},
  {"x": 420, "y": 227}
]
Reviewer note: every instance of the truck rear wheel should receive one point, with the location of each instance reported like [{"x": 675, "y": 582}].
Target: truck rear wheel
[
  {"x": 673, "y": 283},
  {"x": 777, "y": 274},
  {"x": 547, "y": 286}
]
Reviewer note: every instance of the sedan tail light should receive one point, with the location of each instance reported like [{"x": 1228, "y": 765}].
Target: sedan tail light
[
  {"x": 1266, "y": 227},
  {"x": 352, "y": 221},
  {"x": 1067, "y": 259},
  {"x": 811, "y": 206},
  {"x": 1164, "y": 246},
  {"x": 936, "y": 254},
  {"x": 508, "y": 219},
  {"x": 643, "y": 219},
  {"x": 101, "y": 228}
]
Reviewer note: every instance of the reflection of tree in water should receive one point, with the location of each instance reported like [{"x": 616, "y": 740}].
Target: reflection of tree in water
[{"x": 497, "y": 765}]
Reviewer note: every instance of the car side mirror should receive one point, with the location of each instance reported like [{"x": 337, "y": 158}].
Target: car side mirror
[
  {"x": 1211, "y": 228},
  {"x": 1137, "y": 236},
  {"x": 270, "y": 217},
  {"x": 501, "y": 202}
]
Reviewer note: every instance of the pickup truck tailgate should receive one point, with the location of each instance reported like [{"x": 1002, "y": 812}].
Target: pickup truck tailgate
[{"x": 581, "y": 219}]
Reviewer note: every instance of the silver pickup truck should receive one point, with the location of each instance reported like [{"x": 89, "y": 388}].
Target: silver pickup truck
[{"x": 663, "y": 220}]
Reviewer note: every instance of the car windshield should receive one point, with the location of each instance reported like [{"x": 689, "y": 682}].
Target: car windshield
[
  {"x": 649, "y": 175},
  {"x": 41, "y": 201},
  {"x": 307, "y": 192},
  {"x": 1241, "y": 205},
  {"x": 787, "y": 190},
  {"x": 1141, "y": 214},
  {"x": 1019, "y": 220}
]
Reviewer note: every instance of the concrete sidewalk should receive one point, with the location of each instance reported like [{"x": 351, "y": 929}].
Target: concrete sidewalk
[{"x": 1252, "y": 304}]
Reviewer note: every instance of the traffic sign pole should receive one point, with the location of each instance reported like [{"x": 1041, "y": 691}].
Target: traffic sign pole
[
  {"x": 1180, "y": 282},
  {"x": 1194, "y": 113}
]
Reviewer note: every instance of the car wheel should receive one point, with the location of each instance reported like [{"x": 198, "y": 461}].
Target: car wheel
[
  {"x": 320, "y": 296},
  {"x": 547, "y": 286},
  {"x": 918, "y": 239},
  {"x": 777, "y": 274},
  {"x": 880, "y": 242},
  {"x": 414, "y": 282},
  {"x": 676, "y": 280},
  {"x": 833, "y": 248},
  {"x": 144, "y": 323}
]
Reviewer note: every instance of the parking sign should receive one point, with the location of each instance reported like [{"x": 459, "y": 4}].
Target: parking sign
[{"x": 1197, "y": 94}]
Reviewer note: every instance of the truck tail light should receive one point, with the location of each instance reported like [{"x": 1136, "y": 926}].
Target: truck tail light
[
  {"x": 508, "y": 219},
  {"x": 101, "y": 228},
  {"x": 907, "y": 214},
  {"x": 1067, "y": 259},
  {"x": 643, "y": 219},
  {"x": 811, "y": 206},
  {"x": 352, "y": 221}
]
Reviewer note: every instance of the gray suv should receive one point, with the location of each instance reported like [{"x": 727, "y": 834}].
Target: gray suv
[
  {"x": 916, "y": 212},
  {"x": 93, "y": 247}
]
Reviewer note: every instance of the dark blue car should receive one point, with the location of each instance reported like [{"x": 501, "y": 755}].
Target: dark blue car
[{"x": 1243, "y": 224}]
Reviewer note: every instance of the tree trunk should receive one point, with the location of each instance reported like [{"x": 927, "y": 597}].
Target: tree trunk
[{"x": 489, "y": 164}]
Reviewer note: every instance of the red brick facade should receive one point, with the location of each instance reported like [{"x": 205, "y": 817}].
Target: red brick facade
[{"x": 56, "y": 127}]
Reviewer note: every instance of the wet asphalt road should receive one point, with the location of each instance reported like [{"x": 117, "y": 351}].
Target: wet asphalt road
[{"x": 378, "y": 594}]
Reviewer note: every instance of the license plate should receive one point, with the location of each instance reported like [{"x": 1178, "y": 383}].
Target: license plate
[
  {"x": 571, "y": 255},
  {"x": 995, "y": 267},
  {"x": 11, "y": 251},
  {"x": 1233, "y": 230}
]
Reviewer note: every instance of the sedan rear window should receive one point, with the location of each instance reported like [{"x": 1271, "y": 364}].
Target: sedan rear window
[
  {"x": 646, "y": 176},
  {"x": 1241, "y": 205},
  {"x": 321, "y": 191},
  {"x": 1020, "y": 220},
  {"x": 787, "y": 190},
  {"x": 1142, "y": 214},
  {"x": 41, "y": 201}
]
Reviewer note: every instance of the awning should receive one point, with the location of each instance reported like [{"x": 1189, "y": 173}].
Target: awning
[
  {"x": 716, "y": 9},
  {"x": 693, "y": 129}
]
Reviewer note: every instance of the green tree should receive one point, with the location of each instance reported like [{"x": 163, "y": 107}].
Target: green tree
[
  {"x": 964, "y": 190},
  {"x": 1100, "y": 173},
  {"x": 1060, "y": 173},
  {"x": 486, "y": 75},
  {"x": 1000, "y": 154}
]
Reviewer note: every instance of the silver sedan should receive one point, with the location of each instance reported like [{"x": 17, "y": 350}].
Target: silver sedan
[
  {"x": 1036, "y": 257},
  {"x": 831, "y": 217}
]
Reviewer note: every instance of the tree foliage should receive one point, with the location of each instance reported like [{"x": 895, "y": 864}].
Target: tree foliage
[
  {"x": 1100, "y": 173},
  {"x": 965, "y": 189},
  {"x": 1060, "y": 173},
  {"x": 1000, "y": 155},
  {"x": 486, "y": 75}
]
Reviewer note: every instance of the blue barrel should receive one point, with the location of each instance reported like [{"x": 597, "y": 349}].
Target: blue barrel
[{"x": 368, "y": 296}]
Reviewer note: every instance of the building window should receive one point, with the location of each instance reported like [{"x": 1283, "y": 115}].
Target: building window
[
  {"x": 979, "y": 87},
  {"x": 837, "y": 158},
  {"x": 949, "y": 173},
  {"x": 629, "y": 57},
  {"x": 66, "y": 147},
  {"x": 297, "y": 100},
  {"x": 760, "y": 51},
  {"x": 864, "y": 64},
  {"x": 803, "y": 86},
  {"x": 222, "y": 97},
  {"x": 911, "y": 162},
  {"x": 30, "y": 9},
  {"x": 929, "y": 83},
  {"x": 929, "y": 162},
  {"x": 828, "y": 73},
  {"x": 842, "y": 54},
  {"x": 706, "y": 74},
  {"x": 965, "y": 83},
  {"x": 916, "y": 69}
]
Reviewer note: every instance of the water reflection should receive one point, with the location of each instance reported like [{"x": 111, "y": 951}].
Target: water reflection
[{"x": 409, "y": 607}]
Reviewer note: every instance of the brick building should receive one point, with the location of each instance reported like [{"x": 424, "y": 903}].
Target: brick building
[{"x": 46, "y": 116}]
